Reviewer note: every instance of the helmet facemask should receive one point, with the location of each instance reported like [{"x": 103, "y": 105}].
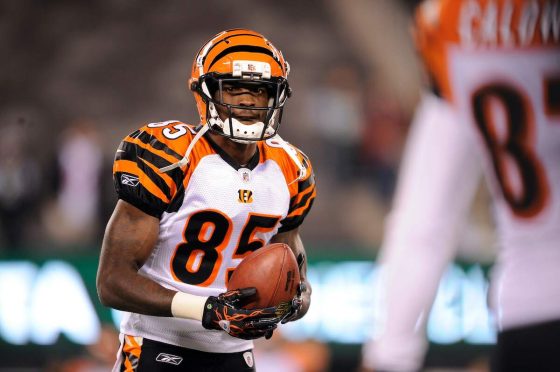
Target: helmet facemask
[{"x": 266, "y": 119}]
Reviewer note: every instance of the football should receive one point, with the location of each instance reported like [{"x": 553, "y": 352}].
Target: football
[{"x": 272, "y": 270}]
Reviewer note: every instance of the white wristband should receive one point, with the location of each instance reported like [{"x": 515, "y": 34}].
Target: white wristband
[{"x": 188, "y": 306}]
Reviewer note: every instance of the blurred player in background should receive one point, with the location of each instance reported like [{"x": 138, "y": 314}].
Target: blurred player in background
[
  {"x": 495, "y": 73},
  {"x": 193, "y": 202}
]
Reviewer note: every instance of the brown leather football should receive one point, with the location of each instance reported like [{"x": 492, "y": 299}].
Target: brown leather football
[{"x": 272, "y": 270}]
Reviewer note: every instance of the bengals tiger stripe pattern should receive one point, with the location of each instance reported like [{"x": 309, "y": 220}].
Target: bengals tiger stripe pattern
[{"x": 131, "y": 349}]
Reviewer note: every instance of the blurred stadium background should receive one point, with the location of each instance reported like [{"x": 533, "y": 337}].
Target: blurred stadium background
[{"x": 77, "y": 76}]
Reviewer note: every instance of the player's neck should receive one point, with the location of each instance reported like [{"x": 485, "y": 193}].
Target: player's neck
[{"x": 240, "y": 152}]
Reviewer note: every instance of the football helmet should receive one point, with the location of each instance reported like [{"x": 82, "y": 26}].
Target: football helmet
[{"x": 245, "y": 58}]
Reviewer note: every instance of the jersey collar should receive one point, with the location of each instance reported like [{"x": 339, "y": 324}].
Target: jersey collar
[{"x": 231, "y": 161}]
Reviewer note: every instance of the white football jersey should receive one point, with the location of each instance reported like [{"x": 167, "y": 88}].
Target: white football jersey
[
  {"x": 504, "y": 97},
  {"x": 212, "y": 214},
  {"x": 496, "y": 67}
]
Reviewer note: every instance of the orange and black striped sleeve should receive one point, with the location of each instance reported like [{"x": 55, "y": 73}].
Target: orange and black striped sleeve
[
  {"x": 301, "y": 200},
  {"x": 136, "y": 174}
]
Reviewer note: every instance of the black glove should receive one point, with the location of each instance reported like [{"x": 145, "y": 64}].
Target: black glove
[
  {"x": 225, "y": 313},
  {"x": 297, "y": 302},
  {"x": 295, "y": 305}
]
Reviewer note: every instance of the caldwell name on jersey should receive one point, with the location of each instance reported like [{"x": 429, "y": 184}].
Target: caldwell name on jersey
[
  {"x": 494, "y": 66},
  {"x": 212, "y": 214}
]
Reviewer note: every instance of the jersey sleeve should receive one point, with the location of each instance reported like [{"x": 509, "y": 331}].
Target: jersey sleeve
[
  {"x": 136, "y": 174},
  {"x": 434, "y": 32},
  {"x": 302, "y": 198}
]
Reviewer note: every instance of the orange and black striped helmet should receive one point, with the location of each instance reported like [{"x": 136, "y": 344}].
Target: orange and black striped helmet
[{"x": 244, "y": 57}]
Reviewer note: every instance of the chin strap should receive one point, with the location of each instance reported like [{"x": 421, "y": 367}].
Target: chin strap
[
  {"x": 185, "y": 160},
  {"x": 292, "y": 153}
]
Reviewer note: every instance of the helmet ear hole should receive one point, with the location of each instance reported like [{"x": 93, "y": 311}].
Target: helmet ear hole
[{"x": 194, "y": 84}]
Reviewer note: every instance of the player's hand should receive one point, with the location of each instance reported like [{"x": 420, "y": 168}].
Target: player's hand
[
  {"x": 294, "y": 311},
  {"x": 300, "y": 303},
  {"x": 224, "y": 312}
]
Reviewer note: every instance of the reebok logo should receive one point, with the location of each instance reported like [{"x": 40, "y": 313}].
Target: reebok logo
[
  {"x": 168, "y": 358},
  {"x": 129, "y": 180},
  {"x": 224, "y": 324}
]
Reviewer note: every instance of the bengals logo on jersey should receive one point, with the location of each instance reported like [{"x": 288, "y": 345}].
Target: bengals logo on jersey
[{"x": 245, "y": 196}]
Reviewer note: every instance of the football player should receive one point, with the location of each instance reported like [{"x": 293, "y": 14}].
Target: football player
[
  {"x": 194, "y": 200},
  {"x": 495, "y": 72}
]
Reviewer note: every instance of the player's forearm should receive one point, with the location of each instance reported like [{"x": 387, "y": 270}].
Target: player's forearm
[
  {"x": 135, "y": 293},
  {"x": 124, "y": 289},
  {"x": 119, "y": 285}
]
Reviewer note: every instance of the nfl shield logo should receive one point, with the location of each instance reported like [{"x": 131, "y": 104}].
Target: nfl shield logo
[{"x": 245, "y": 174}]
